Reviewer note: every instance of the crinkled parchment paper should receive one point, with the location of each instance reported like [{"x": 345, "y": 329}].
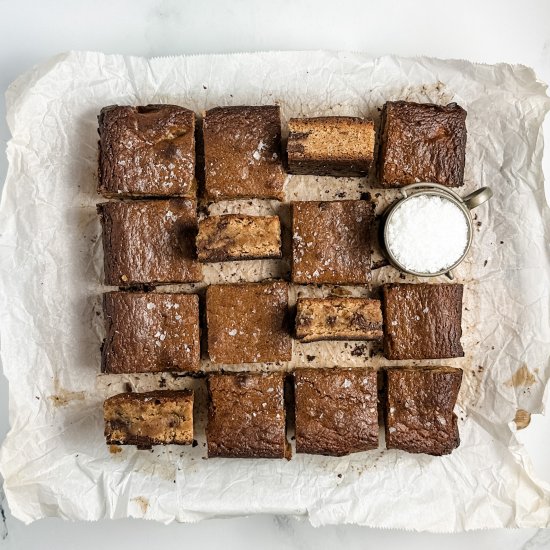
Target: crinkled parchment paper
[{"x": 55, "y": 461}]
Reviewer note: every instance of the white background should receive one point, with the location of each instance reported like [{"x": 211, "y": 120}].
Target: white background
[{"x": 479, "y": 30}]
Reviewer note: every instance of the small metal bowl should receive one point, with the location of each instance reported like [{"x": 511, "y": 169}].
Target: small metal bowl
[{"x": 471, "y": 201}]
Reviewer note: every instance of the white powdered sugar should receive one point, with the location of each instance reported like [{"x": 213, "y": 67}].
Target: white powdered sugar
[
  {"x": 170, "y": 216},
  {"x": 427, "y": 234}
]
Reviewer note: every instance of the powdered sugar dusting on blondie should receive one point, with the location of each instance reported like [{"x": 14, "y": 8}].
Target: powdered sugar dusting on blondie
[{"x": 170, "y": 216}]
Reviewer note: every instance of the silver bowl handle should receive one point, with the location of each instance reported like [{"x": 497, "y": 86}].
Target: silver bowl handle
[
  {"x": 471, "y": 201},
  {"x": 479, "y": 196}
]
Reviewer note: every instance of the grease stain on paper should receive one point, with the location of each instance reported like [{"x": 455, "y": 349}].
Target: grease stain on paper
[
  {"x": 522, "y": 419},
  {"x": 63, "y": 397},
  {"x": 143, "y": 503},
  {"x": 522, "y": 377},
  {"x": 159, "y": 469}
]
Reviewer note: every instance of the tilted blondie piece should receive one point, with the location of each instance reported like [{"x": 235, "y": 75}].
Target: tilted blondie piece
[
  {"x": 336, "y": 318},
  {"x": 242, "y": 153},
  {"x": 238, "y": 237},
  {"x": 159, "y": 417},
  {"x": 422, "y": 321},
  {"x": 246, "y": 416},
  {"x": 419, "y": 409},
  {"x": 147, "y": 151},
  {"x": 330, "y": 146},
  {"x": 336, "y": 410},
  {"x": 422, "y": 142},
  {"x": 150, "y": 332},
  {"x": 148, "y": 242}
]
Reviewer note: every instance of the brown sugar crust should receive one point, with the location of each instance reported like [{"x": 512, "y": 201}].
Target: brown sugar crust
[
  {"x": 419, "y": 409},
  {"x": 330, "y": 146},
  {"x": 148, "y": 242},
  {"x": 247, "y": 323},
  {"x": 147, "y": 151},
  {"x": 422, "y": 142},
  {"x": 336, "y": 318},
  {"x": 331, "y": 242},
  {"x": 336, "y": 411},
  {"x": 159, "y": 417},
  {"x": 422, "y": 321},
  {"x": 242, "y": 147},
  {"x": 246, "y": 416},
  {"x": 150, "y": 332},
  {"x": 238, "y": 237}
]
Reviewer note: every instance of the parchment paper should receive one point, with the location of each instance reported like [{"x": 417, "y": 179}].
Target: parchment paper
[{"x": 54, "y": 459}]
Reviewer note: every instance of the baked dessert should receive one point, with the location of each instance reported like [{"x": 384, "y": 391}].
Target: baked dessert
[
  {"x": 422, "y": 142},
  {"x": 330, "y": 146},
  {"x": 147, "y": 151},
  {"x": 238, "y": 237},
  {"x": 336, "y": 410},
  {"x": 422, "y": 321},
  {"x": 242, "y": 150},
  {"x": 419, "y": 409},
  {"x": 149, "y": 242},
  {"x": 331, "y": 242},
  {"x": 247, "y": 323},
  {"x": 246, "y": 416},
  {"x": 337, "y": 318},
  {"x": 159, "y": 417},
  {"x": 150, "y": 332}
]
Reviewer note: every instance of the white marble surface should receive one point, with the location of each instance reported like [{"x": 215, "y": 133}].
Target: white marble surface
[{"x": 488, "y": 31}]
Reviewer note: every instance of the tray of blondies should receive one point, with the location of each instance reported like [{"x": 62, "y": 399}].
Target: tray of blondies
[{"x": 298, "y": 283}]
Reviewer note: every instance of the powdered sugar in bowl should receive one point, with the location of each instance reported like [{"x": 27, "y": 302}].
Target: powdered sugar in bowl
[{"x": 429, "y": 231}]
